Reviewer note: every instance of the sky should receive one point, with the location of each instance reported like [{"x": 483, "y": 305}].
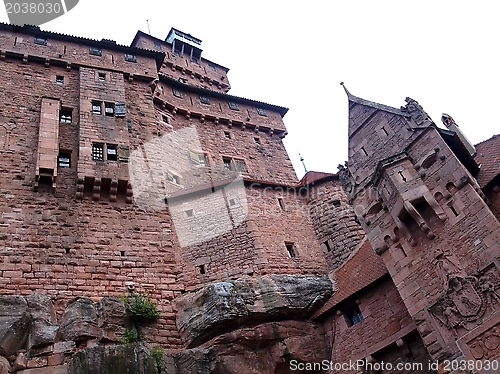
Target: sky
[{"x": 444, "y": 54}]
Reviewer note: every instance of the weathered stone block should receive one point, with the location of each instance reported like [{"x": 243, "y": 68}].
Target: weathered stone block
[
  {"x": 79, "y": 321},
  {"x": 15, "y": 321},
  {"x": 223, "y": 306}
]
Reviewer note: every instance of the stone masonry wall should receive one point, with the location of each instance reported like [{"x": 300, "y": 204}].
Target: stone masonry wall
[{"x": 333, "y": 221}]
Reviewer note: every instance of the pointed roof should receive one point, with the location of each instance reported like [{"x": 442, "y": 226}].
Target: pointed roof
[{"x": 358, "y": 100}]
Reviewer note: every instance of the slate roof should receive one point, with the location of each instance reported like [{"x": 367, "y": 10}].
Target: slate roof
[
  {"x": 361, "y": 270},
  {"x": 488, "y": 155}
]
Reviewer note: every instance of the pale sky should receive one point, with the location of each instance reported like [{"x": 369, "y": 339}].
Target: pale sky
[{"x": 444, "y": 54}]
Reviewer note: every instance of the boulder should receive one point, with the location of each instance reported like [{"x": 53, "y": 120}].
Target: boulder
[
  {"x": 79, "y": 320},
  {"x": 112, "y": 318},
  {"x": 4, "y": 366},
  {"x": 267, "y": 348},
  {"x": 114, "y": 359},
  {"x": 224, "y": 306},
  {"x": 15, "y": 322},
  {"x": 43, "y": 329}
]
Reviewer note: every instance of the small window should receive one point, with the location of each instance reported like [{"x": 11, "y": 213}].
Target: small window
[
  {"x": 336, "y": 203},
  {"x": 177, "y": 93},
  {"x": 204, "y": 100},
  {"x": 65, "y": 115},
  {"x": 232, "y": 202},
  {"x": 228, "y": 165},
  {"x": 59, "y": 79},
  {"x": 352, "y": 315},
  {"x": 97, "y": 151},
  {"x": 40, "y": 41},
  {"x": 157, "y": 46},
  {"x": 241, "y": 166},
  {"x": 261, "y": 112},
  {"x": 257, "y": 141},
  {"x": 290, "y": 247},
  {"x": 189, "y": 212},
  {"x": 202, "y": 269},
  {"x": 212, "y": 67},
  {"x": 171, "y": 177},
  {"x": 198, "y": 158},
  {"x": 164, "y": 118},
  {"x": 120, "y": 109},
  {"x": 96, "y": 107},
  {"x": 130, "y": 58},
  {"x": 281, "y": 203},
  {"x": 95, "y": 51},
  {"x": 194, "y": 60},
  {"x": 109, "y": 109},
  {"x": 102, "y": 77},
  {"x": 111, "y": 153},
  {"x": 227, "y": 134},
  {"x": 64, "y": 159},
  {"x": 233, "y": 106},
  {"x": 327, "y": 246}
]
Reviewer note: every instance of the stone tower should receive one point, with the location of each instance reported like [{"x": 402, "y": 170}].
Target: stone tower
[{"x": 413, "y": 189}]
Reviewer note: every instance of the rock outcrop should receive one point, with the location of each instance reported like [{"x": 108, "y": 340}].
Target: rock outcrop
[
  {"x": 118, "y": 359},
  {"x": 224, "y": 306},
  {"x": 267, "y": 348},
  {"x": 15, "y": 321},
  {"x": 44, "y": 327},
  {"x": 79, "y": 321}
]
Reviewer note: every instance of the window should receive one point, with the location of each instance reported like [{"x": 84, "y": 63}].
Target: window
[
  {"x": 228, "y": 165},
  {"x": 96, "y": 107},
  {"x": 97, "y": 151},
  {"x": 171, "y": 177},
  {"x": 212, "y": 67},
  {"x": 241, "y": 166},
  {"x": 102, "y": 77},
  {"x": 198, "y": 158},
  {"x": 189, "y": 212},
  {"x": 65, "y": 115},
  {"x": 290, "y": 247},
  {"x": 195, "y": 60},
  {"x": 95, "y": 51},
  {"x": 327, "y": 246},
  {"x": 177, "y": 93},
  {"x": 59, "y": 79},
  {"x": 336, "y": 203},
  {"x": 120, "y": 109},
  {"x": 164, "y": 118},
  {"x": 40, "y": 41},
  {"x": 64, "y": 159},
  {"x": 232, "y": 202},
  {"x": 109, "y": 109},
  {"x": 227, "y": 134},
  {"x": 233, "y": 106},
  {"x": 257, "y": 141},
  {"x": 130, "y": 58},
  {"x": 111, "y": 153},
  {"x": 281, "y": 203},
  {"x": 352, "y": 314},
  {"x": 157, "y": 46},
  {"x": 261, "y": 112},
  {"x": 204, "y": 100}
]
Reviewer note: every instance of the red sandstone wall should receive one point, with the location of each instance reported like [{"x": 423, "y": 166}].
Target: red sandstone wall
[{"x": 333, "y": 220}]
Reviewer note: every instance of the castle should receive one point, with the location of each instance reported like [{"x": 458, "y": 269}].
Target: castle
[{"x": 130, "y": 170}]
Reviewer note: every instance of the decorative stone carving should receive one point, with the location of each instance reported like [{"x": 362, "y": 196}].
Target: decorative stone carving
[
  {"x": 467, "y": 297},
  {"x": 346, "y": 178},
  {"x": 415, "y": 110}
]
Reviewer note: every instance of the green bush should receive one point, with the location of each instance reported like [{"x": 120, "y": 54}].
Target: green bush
[
  {"x": 141, "y": 308},
  {"x": 157, "y": 353},
  {"x": 131, "y": 336}
]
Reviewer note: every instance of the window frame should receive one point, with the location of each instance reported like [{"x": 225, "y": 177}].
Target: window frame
[
  {"x": 97, "y": 104},
  {"x": 261, "y": 112},
  {"x": 352, "y": 314},
  {"x": 97, "y": 151},
  {"x": 40, "y": 41},
  {"x": 64, "y": 154},
  {"x": 94, "y": 51},
  {"x": 204, "y": 100},
  {"x": 66, "y": 115},
  {"x": 130, "y": 58}
]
